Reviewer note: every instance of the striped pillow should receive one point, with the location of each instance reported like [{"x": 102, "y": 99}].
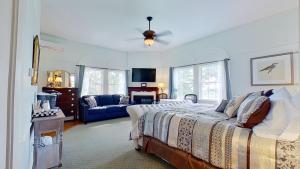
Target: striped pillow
[
  {"x": 254, "y": 113},
  {"x": 245, "y": 105},
  {"x": 233, "y": 105},
  {"x": 91, "y": 101}
]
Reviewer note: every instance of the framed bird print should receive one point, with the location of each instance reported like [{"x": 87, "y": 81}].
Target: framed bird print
[{"x": 272, "y": 70}]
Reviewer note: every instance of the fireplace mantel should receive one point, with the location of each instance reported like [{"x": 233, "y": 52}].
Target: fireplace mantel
[{"x": 142, "y": 89}]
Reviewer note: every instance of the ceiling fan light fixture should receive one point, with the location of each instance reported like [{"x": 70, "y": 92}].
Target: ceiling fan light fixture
[{"x": 148, "y": 41}]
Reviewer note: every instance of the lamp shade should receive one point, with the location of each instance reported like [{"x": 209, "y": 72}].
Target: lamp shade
[
  {"x": 148, "y": 41},
  {"x": 58, "y": 79},
  {"x": 161, "y": 85},
  {"x": 50, "y": 79}
]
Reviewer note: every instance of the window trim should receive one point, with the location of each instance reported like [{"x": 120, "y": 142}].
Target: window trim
[
  {"x": 196, "y": 80},
  {"x": 105, "y": 81}
]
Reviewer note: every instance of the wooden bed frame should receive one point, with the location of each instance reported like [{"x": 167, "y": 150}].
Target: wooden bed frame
[{"x": 174, "y": 156}]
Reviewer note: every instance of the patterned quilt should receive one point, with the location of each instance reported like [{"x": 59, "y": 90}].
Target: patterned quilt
[{"x": 212, "y": 137}]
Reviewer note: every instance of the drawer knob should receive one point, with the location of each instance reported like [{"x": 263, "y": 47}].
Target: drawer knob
[
  {"x": 69, "y": 90},
  {"x": 73, "y": 94},
  {"x": 72, "y": 111},
  {"x": 72, "y": 105},
  {"x": 72, "y": 98}
]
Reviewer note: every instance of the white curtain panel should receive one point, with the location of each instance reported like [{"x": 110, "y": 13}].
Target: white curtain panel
[
  {"x": 93, "y": 81},
  {"x": 98, "y": 81}
]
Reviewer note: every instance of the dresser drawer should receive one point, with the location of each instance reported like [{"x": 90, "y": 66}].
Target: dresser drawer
[
  {"x": 67, "y": 99},
  {"x": 69, "y": 111},
  {"x": 68, "y": 104}
]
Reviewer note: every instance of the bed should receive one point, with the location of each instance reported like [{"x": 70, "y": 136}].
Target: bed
[{"x": 195, "y": 136}]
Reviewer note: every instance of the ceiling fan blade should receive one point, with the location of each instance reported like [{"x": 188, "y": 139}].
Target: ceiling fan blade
[
  {"x": 139, "y": 30},
  {"x": 164, "y": 33},
  {"x": 162, "y": 41},
  {"x": 133, "y": 39}
]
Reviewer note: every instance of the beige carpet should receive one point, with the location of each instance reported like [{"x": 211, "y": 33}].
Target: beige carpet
[{"x": 105, "y": 145}]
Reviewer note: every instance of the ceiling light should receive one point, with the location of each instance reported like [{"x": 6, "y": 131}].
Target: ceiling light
[{"x": 148, "y": 41}]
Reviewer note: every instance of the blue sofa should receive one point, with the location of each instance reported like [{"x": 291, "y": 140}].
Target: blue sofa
[{"x": 108, "y": 108}]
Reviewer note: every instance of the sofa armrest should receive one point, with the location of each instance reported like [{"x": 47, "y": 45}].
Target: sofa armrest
[{"x": 83, "y": 111}]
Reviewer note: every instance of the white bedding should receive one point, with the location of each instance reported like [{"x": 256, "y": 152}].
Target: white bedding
[{"x": 282, "y": 122}]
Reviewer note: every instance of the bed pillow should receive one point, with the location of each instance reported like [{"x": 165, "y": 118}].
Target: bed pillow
[
  {"x": 277, "y": 119},
  {"x": 91, "y": 101},
  {"x": 245, "y": 105},
  {"x": 254, "y": 113},
  {"x": 222, "y": 106},
  {"x": 292, "y": 130},
  {"x": 233, "y": 105}
]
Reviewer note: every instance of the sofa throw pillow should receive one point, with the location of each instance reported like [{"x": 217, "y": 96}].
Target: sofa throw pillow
[
  {"x": 254, "y": 113},
  {"x": 233, "y": 105},
  {"x": 124, "y": 100},
  {"x": 222, "y": 106},
  {"x": 91, "y": 101}
]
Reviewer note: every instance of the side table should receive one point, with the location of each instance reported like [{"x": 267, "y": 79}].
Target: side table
[{"x": 48, "y": 156}]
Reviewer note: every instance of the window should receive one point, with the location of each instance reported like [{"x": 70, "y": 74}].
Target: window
[
  {"x": 103, "y": 81},
  {"x": 211, "y": 81},
  {"x": 93, "y": 81},
  {"x": 116, "y": 82},
  {"x": 207, "y": 81},
  {"x": 183, "y": 80}
]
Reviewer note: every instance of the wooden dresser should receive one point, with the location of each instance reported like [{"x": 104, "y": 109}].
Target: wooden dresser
[{"x": 68, "y": 101}]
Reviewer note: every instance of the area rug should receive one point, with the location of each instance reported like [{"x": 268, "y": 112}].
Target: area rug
[{"x": 105, "y": 145}]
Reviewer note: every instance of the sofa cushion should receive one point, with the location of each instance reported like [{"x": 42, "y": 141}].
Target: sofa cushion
[
  {"x": 116, "y": 98},
  {"x": 95, "y": 110},
  {"x": 106, "y": 100},
  {"x": 123, "y": 107},
  {"x": 115, "y": 108}
]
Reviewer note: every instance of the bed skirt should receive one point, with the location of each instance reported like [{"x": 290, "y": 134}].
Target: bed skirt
[{"x": 175, "y": 157}]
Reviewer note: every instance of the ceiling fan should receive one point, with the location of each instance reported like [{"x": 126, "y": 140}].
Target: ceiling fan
[{"x": 151, "y": 36}]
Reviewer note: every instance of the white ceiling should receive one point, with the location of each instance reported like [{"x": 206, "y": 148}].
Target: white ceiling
[{"x": 108, "y": 23}]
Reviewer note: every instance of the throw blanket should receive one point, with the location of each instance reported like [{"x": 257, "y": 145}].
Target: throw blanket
[{"x": 212, "y": 137}]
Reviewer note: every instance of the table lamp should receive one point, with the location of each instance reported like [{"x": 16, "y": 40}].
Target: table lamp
[{"x": 161, "y": 86}]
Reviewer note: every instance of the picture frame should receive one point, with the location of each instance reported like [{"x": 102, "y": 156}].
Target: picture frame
[
  {"x": 35, "y": 60},
  {"x": 277, "y": 69},
  {"x": 143, "y": 84}
]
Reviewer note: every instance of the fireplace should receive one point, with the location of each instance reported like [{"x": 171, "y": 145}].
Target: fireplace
[
  {"x": 143, "y": 95},
  {"x": 140, "y": 99}
]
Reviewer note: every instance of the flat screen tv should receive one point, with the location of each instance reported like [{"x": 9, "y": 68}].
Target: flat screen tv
[{"x": 143, "y": 75}]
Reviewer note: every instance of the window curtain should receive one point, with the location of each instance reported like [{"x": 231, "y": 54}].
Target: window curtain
[
  {"x": 93, "y": 81},
  {"x": 80, "y": 79},
  {"x": 116, "y": 82},
  {"x": 227, "y": 77},
  {"x": 127, "y": 81},
  {"x": 171, "y": 69}
]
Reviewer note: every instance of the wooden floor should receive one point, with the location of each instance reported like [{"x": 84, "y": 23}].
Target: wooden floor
[
  {"x": 72, "y": 123},
  {"x": 68, "y": 125}
]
